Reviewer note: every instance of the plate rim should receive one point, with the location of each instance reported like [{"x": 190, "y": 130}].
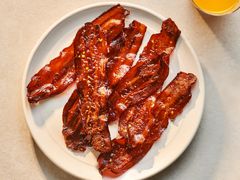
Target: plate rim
[{"x": 94, "y": 5}]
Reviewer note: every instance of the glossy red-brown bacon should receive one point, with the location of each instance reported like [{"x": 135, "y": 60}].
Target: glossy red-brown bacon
[
  {"x": 91, "y": 51},
  {"x": 121, "y": 62},
  {"x": 167, "y": 105},
  {"x": 148, "y": 75},
  {"x": 137, "y": 120},
  {"x": 129, "y": 41},
  {"x": 72, "y": 126},
  {"x": 53, "y": 78},
  {"x": 56, "y": 76}
]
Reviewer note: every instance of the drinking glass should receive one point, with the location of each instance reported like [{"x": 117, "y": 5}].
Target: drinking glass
[{"x": 217, "y": 7}]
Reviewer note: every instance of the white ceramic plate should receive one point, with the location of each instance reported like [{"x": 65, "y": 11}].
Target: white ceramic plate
[{"x": 44, "y": 120}]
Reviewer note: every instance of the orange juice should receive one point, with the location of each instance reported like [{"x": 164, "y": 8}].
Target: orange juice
[{"x": 217, "y": 7}]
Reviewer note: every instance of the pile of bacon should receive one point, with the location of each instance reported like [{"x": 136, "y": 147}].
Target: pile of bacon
[{"x": 109, "y": 88}]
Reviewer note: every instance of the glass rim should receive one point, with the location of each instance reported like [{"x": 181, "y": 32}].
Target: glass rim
[{"x": 235, "y": 8}]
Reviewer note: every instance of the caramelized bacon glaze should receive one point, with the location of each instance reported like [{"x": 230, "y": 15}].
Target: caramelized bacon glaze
[
  {"x": 148, "y": 75},
  {"x": 127, "y": 42},
  {"x": 53, "y": 78},
  {"x": 108, "y": 88},
  {"x": 56, "y": 76},
  {"x": 121, "y": 62},
  {"x": 91, "y": 51},
  {"x": 143, "y": 132}
]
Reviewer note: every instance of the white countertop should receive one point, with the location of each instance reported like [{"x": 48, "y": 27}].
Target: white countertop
[{"x": 214, "y": 152}]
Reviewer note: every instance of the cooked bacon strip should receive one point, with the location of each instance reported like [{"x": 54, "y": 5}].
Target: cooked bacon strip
[
  {"x": 90, "y": 60},
  {"x": 115, "y": 25},
  {"x": 169, "y": 103},
  {"x": 136, "y": 121},
  {"x": 56, "y": 76},
  {"x": 121, "y": 63},
  {"x": 53, "y": 78},
  {"x": 73, "y": 139},
  {"x": 121, "y": 158},
  {"x": 110, "y": 14},
  {"x": 148, "y": 75},
  {"x": 126, "y": 43}
]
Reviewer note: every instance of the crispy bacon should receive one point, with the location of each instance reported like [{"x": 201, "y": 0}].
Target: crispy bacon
[
  {"x": 168, "y": 104},
  {"x": 73, "y": 139},
  {"x": 53, "y": 78},
  {"x": 121, "y": 62},
  {"x": 148, "y": 75},
  {"x": 90, "y": 60},
  {"x": 126, "y": 43},
  {"x": 99, "y": 60},
  {"x": 56, "y": 76},
  {"x": 121, "y": 158},
  {"x": 136, "y": 121}
]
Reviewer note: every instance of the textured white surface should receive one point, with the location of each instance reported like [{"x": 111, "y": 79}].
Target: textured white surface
[{"x": 214, "y": 152}]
